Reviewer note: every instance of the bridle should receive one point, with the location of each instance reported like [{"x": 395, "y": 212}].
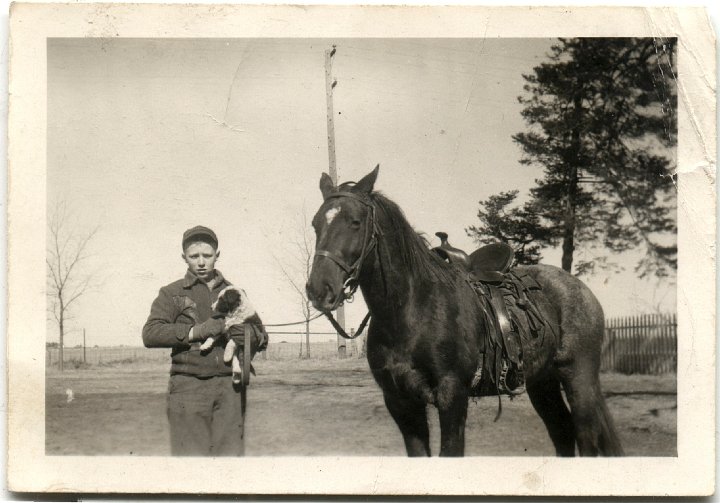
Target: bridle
[{"x": 370, "y": 241}]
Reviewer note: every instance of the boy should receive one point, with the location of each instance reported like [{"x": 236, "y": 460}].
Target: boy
[{"x": 206, "y": 411}]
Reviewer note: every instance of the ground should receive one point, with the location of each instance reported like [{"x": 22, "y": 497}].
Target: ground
[{"x": 325, "y": 407}]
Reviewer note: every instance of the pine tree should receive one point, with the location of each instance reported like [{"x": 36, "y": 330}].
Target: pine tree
[
  {"x": 518, "y": 226},
  {"x": 602, "y": 124}
]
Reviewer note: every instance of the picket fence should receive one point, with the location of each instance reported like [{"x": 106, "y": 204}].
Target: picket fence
[{"x": 644, "y": 344}]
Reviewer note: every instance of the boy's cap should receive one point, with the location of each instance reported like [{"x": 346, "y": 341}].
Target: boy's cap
[{"x": 199, "y": 231}]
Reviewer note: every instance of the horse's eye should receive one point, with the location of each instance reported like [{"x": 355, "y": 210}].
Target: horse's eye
[{"x": 355, "y": 224}]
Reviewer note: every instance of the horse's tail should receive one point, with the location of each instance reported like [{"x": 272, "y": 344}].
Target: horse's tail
[{"x": 609, "y": 442}]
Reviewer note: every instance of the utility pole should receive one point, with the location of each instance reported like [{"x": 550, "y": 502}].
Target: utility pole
[
  {"x": 329, "y": 85},
  {"x": 84, "y": 346}
]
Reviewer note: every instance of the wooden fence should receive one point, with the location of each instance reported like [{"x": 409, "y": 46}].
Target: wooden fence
[
  {"x": 77, "y": 357},
  {"x": 645, "y": 344}
]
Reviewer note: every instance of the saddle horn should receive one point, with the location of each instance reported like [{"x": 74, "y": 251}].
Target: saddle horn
[{"x": 450, "y": 253}]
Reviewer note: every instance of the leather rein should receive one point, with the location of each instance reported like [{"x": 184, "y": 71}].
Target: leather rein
[{"x": 352, "y": 270}]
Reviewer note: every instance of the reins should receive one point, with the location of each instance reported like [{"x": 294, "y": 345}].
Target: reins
[
  {"x": 293, "y": 323},
  {"x": 334, "y": 323},
  {"x": 353, "y": 271},
  {"x": 340, "y": 329}
]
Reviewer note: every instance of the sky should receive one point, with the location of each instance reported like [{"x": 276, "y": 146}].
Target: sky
[{"x": 147, "y": 138}]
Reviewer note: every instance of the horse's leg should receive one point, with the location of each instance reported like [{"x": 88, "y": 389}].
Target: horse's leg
[
  {"x": 594, "y": 430},
  {"x": 547, "y": 399},
  {"x": 452, "y": 404},
  {"x": 577, "y": 359},
  {"x": 411, "y": 417}
]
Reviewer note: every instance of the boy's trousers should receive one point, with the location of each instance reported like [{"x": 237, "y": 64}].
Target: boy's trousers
[{"x": 206, "y": 416}]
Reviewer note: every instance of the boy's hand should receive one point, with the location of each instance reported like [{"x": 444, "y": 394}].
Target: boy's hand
[{"x": 208, "y": 328}]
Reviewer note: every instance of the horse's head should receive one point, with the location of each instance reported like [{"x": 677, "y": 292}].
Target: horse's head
[{"x": 345, "y": 235}]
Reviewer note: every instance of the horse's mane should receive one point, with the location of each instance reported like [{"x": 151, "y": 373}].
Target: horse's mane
[{"x": 413, "y": 247}]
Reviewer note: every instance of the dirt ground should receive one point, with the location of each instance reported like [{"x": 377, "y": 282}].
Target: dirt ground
[{"x": 325, "y": 407}]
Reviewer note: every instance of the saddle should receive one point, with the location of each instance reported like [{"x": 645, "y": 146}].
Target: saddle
[
  {"x": 488, "y": 263},
  {"x": 510, "y": 314}
]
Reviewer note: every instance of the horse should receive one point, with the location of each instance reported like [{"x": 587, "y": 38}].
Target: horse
[{"x": 425, "y": 333}]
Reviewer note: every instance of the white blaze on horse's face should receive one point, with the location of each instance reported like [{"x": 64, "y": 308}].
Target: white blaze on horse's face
[{"x": 331, "y": 214}]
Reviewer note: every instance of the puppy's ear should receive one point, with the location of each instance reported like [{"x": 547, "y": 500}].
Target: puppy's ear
[
  {"x": 232, "y": 299},
  {"x": 221, "y": 306}
]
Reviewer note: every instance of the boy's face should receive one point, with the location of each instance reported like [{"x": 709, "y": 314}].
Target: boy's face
[{"x": 200, "y": 258}]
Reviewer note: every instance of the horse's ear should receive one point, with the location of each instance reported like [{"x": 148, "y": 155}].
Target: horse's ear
[
  {"x": 327, "y": 186},
  {"x": 368, "y": 181}
]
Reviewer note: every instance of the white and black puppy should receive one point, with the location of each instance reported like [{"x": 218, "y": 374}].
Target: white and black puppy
[{"x": 232, "y": 302}]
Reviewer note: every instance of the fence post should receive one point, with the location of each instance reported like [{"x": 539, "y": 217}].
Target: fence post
[
  {"x": 353, "y": 343},
  {"x": 636, "y": 342},
  {"x": 642, "y": 345},
  {"x": 627, "y": 344},
  {"x": 667, "y": 351},
  {"x": 611, "y": 345},
  {"x": 631, "y": 340},
  {"x": 665, "y": 344},
  {"x": 363, "y": 351},
  {"x": 673, "y": 329},
  {"x": 613, "y": 354}
]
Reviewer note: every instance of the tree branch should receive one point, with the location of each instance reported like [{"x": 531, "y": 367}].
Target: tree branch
[{"x": 66, "y": 252}]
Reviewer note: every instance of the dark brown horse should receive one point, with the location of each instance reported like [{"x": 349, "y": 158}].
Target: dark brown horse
[{"x": 423, "y": 342}]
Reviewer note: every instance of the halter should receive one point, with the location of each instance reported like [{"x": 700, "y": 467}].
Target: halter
[{"x": 353, "y": 270}]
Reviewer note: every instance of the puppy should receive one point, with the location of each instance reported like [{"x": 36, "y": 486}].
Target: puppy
[{"x": 232, "y": 302}]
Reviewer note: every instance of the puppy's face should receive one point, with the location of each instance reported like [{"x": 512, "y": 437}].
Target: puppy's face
[
  {"x": 228, "y": 301},
  {"x": 234, "y": 305}
]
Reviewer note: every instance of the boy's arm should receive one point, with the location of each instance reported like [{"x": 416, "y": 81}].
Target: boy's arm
[
  {"x": 255, "y": 320},
  {"x": 264, "y": 338},
  {"x": 160, "y": 330}
]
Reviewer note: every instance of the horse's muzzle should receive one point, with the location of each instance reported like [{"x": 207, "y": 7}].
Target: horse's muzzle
[{"x": 323, "y": 298}]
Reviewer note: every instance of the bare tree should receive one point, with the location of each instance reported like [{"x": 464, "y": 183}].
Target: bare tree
[
  {"x": 66, "y": 253},
  {"x": 298, "y": 276}
]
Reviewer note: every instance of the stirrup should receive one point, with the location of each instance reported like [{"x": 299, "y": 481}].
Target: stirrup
[{"x": 502, "y": 384}]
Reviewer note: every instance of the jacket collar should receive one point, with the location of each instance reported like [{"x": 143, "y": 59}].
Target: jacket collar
[{"x": 190, "y": 279}]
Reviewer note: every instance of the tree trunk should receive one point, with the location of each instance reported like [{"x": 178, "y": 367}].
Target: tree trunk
[
  {"x": 307, "y": 338},
  {"x": 62, "y": 341},
  {"x": 568, "y": 245}
]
